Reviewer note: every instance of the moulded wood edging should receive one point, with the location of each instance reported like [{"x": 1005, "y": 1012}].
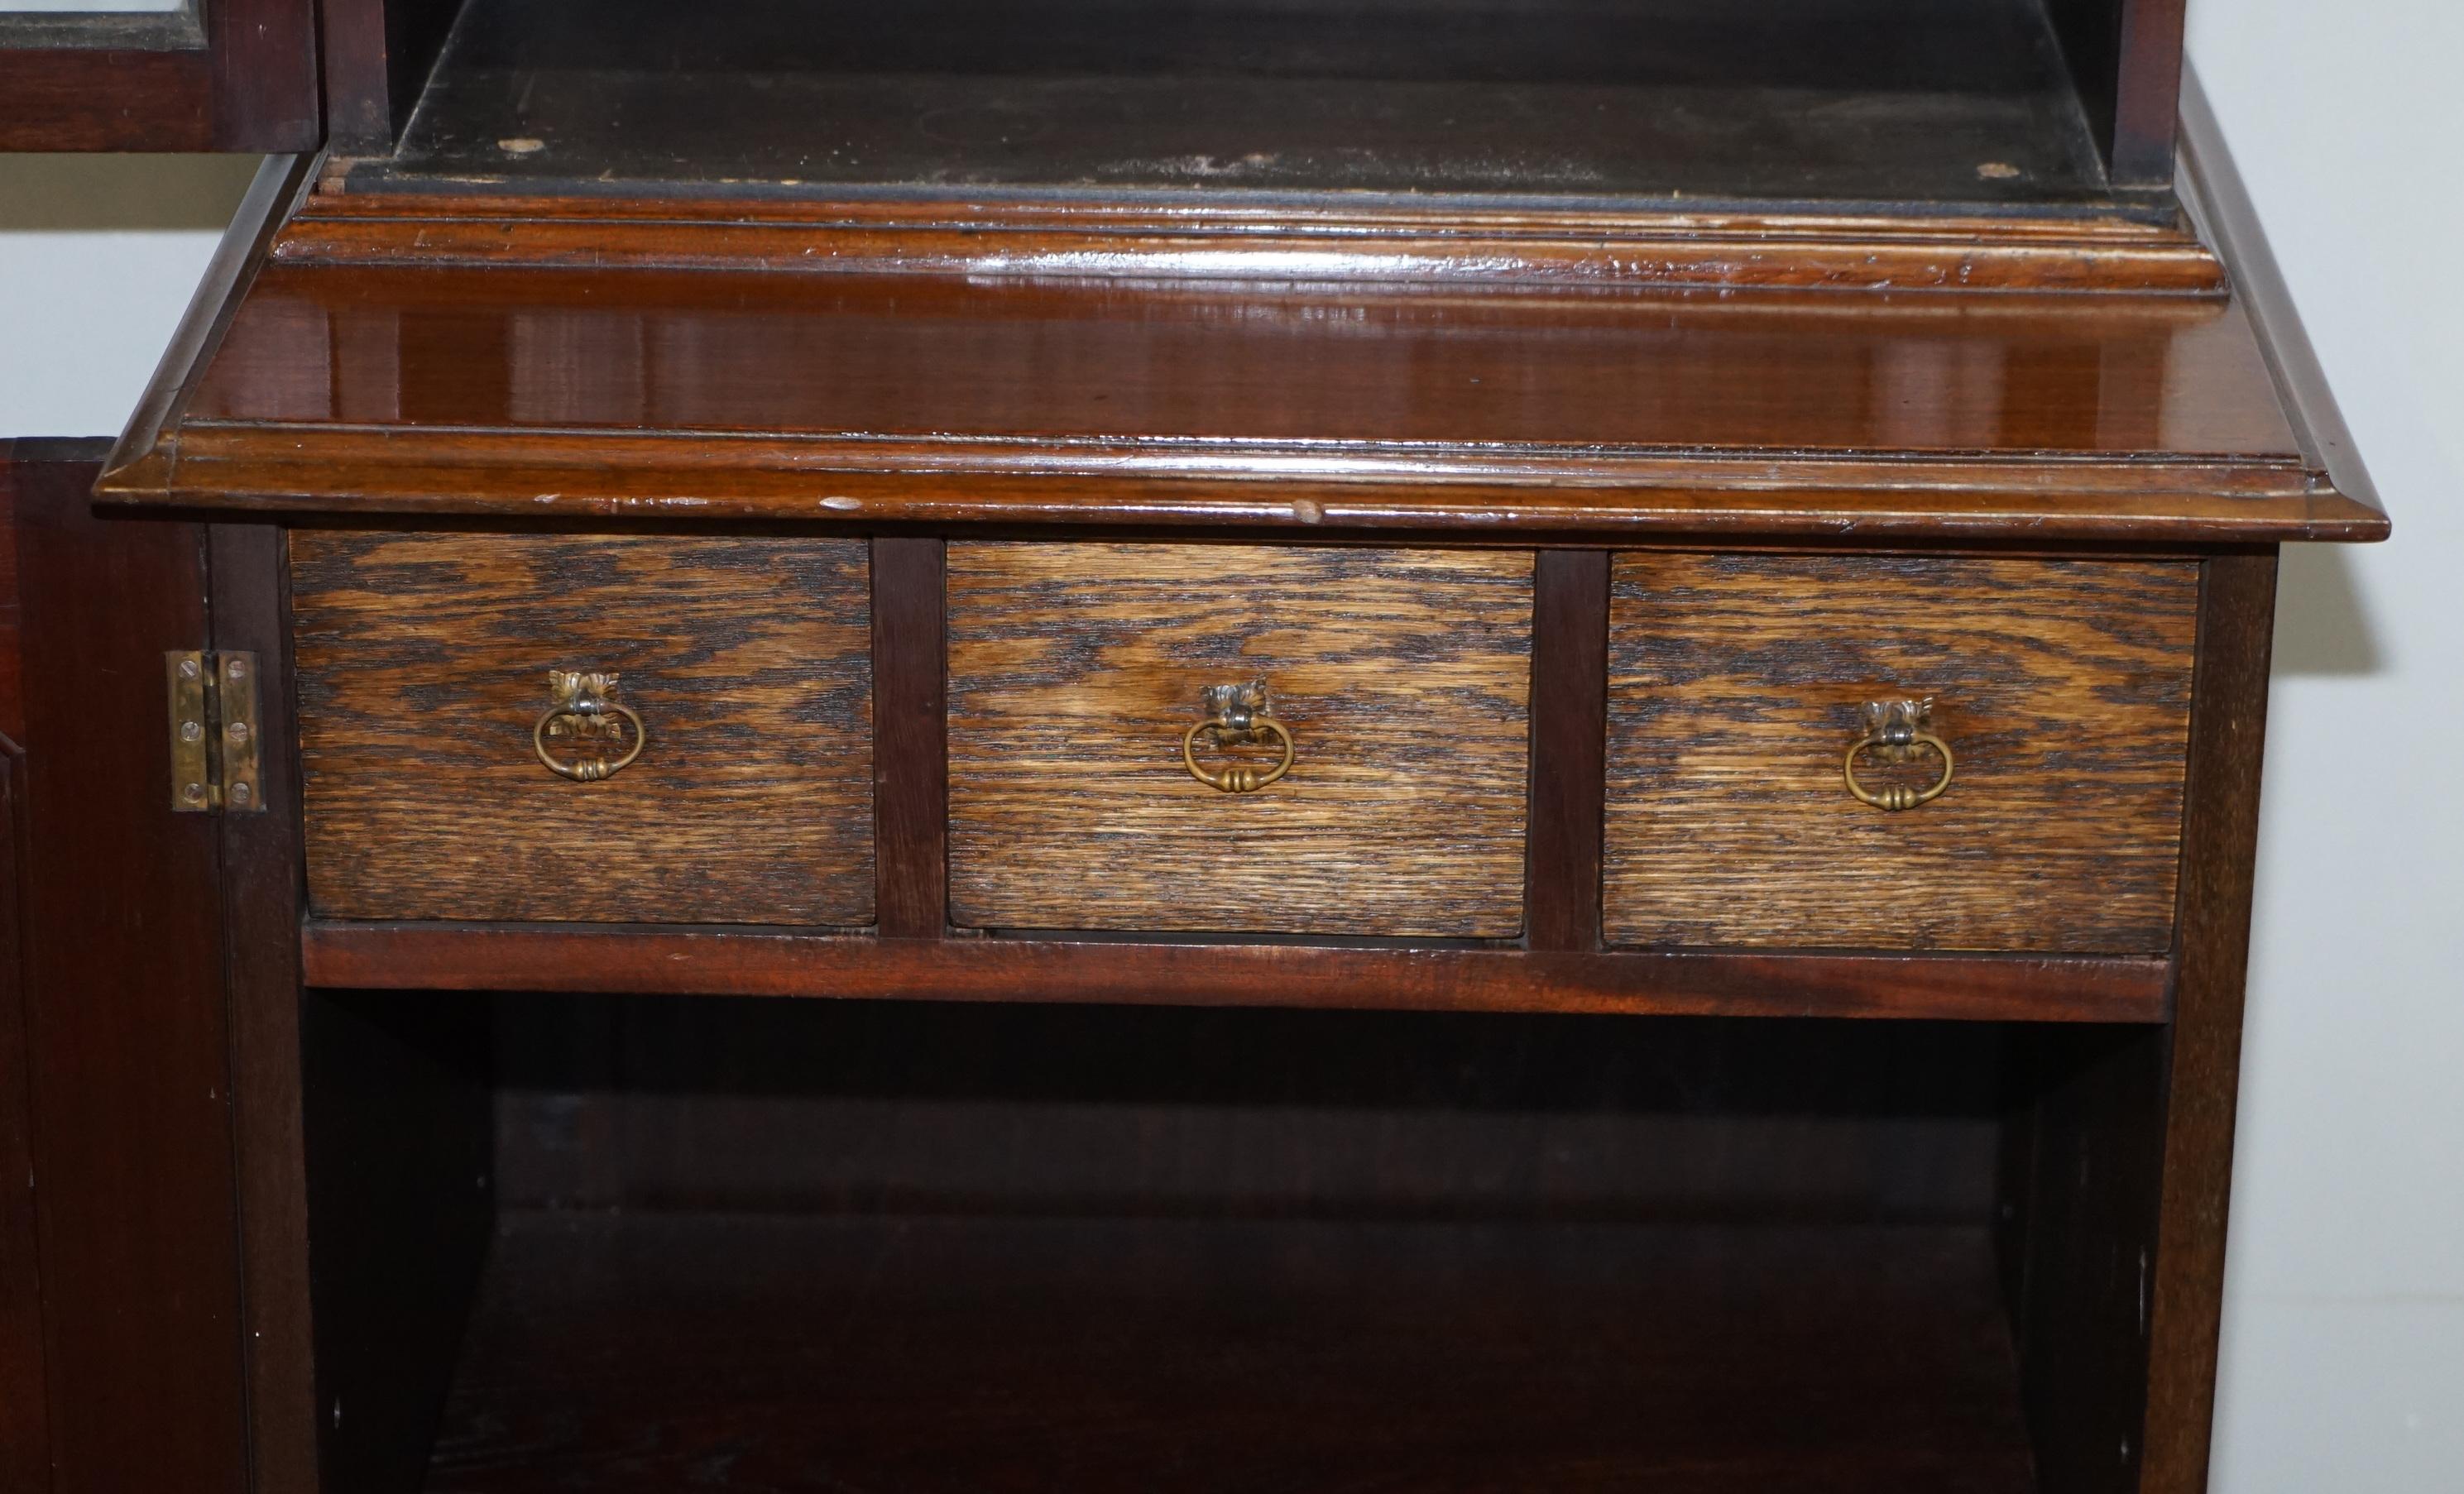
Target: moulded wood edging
[
  {"x": 988, "y": 235},
  {"x": 2213, "y": 191},
  {"x": 145, "y": 452},
  {"x": 1510, "y": 492},
  {"x": 751, "y": 962}
]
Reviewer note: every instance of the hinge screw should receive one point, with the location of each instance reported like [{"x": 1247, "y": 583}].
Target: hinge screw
[
  {"x": 187, "y": 668},
  {"x": 194, "y": 793},
  {"x": 190, "y": 730},
  {"x": 239, "y": 793},
  {"x": 239, "y": 731},
  {"x": 238, "y": 668}
]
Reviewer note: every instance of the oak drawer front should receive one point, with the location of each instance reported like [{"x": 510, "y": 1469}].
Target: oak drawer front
[
  {"x": 1402, "y": 678},
  {"x": 423, "y": 663},
  {"x": 1737, "y": 684}
]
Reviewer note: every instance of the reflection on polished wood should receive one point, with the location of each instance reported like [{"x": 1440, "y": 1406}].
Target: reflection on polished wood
[{"x": 1112, "y": 401}]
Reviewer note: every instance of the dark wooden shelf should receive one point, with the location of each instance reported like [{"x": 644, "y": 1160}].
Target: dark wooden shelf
[
  {"x": 619, "y": 1352},
  {"x": 1937, "y": 101}
]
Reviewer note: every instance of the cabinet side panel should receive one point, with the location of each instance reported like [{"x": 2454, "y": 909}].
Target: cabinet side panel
[
  {"x": 2220, "y": 850},
  {"x": 25, "y": 1428},
  {"x": 128, "y": 1039}
]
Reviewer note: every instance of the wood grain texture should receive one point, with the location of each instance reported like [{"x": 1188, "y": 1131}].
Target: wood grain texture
[
  {"x": 423, "y": 663},
  {"x": 442, "y": 956},
  {"x": 1404, "y": 678},
  {"x": 1735, "y": 687}
]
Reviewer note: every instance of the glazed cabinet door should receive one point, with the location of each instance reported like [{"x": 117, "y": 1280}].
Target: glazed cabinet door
[{"x": 158, "y": 75}]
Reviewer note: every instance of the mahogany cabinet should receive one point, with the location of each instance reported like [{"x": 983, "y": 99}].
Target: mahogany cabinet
[
  {"x": 1326, "y": 745},
  {"x": 191, "y": 75}
]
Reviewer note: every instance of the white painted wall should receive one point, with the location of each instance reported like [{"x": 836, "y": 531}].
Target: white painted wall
[
  {"x": 99, "y": 256},
  {"x": 2343, "y": 1365},
  {"x": 2344, "y": 1358}
]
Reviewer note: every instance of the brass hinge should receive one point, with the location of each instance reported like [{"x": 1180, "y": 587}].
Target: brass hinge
[{"x": 214, "y": 729}]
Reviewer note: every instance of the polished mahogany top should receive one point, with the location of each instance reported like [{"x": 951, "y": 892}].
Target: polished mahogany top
[{"x": 407, "y": 369}]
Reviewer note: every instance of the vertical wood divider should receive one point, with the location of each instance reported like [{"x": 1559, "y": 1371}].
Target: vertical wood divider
[
  {"x": 2219, "y": 851},
  {"x": 1570, "y": 637},
  {"x": 263, "y": 903},
  {"x": 909, "y": 750}
]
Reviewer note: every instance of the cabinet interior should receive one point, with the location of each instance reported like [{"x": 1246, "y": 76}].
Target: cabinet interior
[
  {"x": 1991, "y": 105},
  {"x": 646, "y": 1244}
]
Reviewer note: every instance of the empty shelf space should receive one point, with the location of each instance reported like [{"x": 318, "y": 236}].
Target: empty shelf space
[
  {"x": 1949, "y": 101},
  {"x": 655, "y": 1351}
]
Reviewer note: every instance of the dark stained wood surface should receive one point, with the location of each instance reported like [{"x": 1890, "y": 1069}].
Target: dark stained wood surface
[
  {"x": 2086, "y": 1187},
  {"x": 423, "y": 666},
  {"x": 2127, "y": 56},
  {"x": 358, "y": 220},
  {"x": 910, "y": 761},
  {"x": 2147, "y": 95},
  {"x": 853, "y": 355},
  {"x": 127, "y": 1037},
  {"x": 2220, "y": 850},
  {"x": 1403, "y": 678},
  {"x": 868, "y": 399},
  {"x": 24, "y": 1427},
  {"x": 25, "y": 1412},
  {"x": 1874, "y": 100},
  {"x": 12, "y": 685},
  {"x": 262, "y": 901},
  {"x": 401, "y": 1192},
  {"x": 1019, "y": 1110},
  {"x": 1568, "y": 731},
  {"x": 646, "y": 1352},
  {"x": 377, "y": 54},
  {"x": 720, "y": 963},
  {"x": 239, "y": 76},
  {"x": 1736, "y": 684}
]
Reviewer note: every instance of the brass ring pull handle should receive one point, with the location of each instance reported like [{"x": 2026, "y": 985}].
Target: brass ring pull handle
[
  {"x": 1236, "y": 715},
  {"x": 1895, "y": 731},
  {"x": 1240, "y": 778},
  {"x": 583, "y": 713}
]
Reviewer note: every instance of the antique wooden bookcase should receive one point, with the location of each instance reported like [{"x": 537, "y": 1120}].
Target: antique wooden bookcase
[{"x": 1522, "y": 737}]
